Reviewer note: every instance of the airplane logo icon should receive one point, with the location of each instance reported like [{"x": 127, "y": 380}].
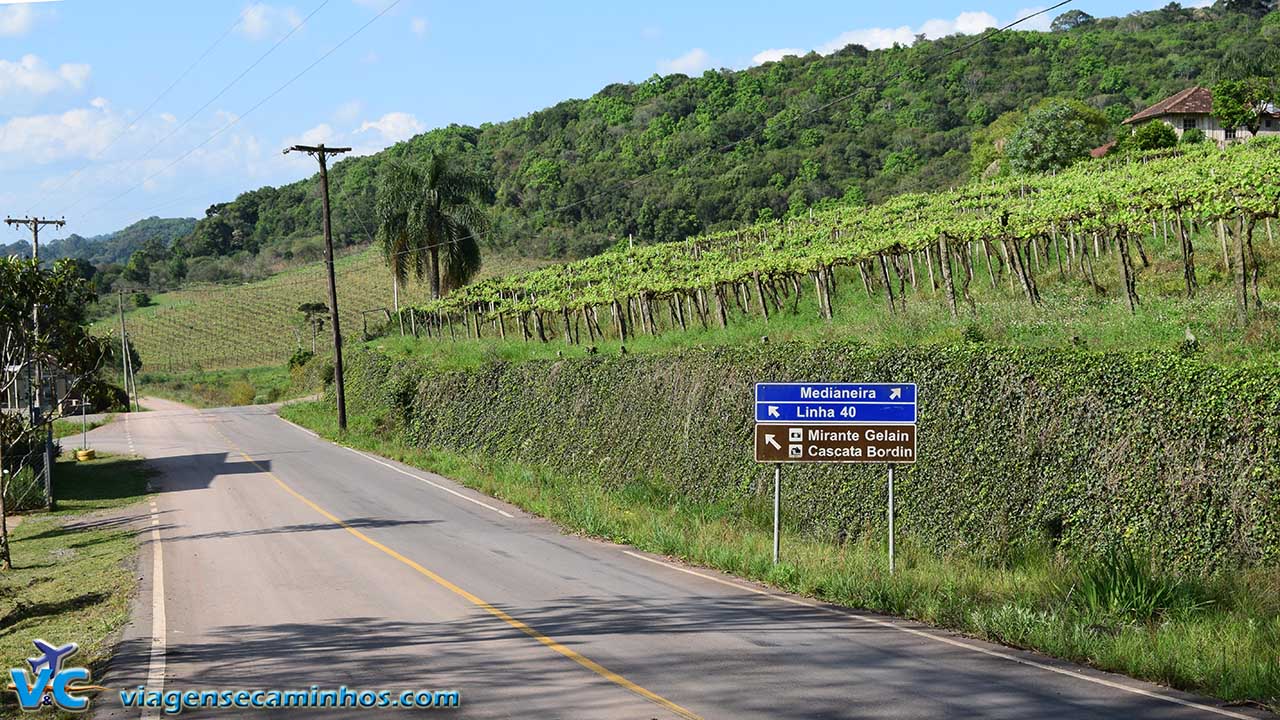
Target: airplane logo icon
[{"x": 52, "y": 657}]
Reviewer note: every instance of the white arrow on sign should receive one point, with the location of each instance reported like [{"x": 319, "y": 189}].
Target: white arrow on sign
[
  {"x": 895, "y": 393},
  {"x": 773, "y": 411},
  {"x": 768, "y": 440}
]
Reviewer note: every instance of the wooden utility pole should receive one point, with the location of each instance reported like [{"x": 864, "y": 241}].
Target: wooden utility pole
[
  {"x": 35, "y": 224},
  {"x": 37, "y": 407},
  {"x": 321, "y": 153}
]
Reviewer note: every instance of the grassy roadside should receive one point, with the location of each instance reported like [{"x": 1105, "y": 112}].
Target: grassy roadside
[
  {"x": 72, "y": 425},
  {"x": 72, "y": 579},
  {"x": 220, "y": 388},
  {"x": 1215, "y": 636}
]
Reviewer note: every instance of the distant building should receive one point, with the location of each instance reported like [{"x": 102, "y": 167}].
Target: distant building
[{"x": 1193, "y": 108}]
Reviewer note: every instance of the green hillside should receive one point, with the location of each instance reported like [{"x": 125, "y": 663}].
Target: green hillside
[
  {"x": 677, "y": 156},
  {"x": 108, "y": 248}
]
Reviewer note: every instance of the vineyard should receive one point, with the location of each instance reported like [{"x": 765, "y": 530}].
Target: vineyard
[
  {"x": 1015, "y": 231},
  {"x": 218, "y": 327},
  {"x": 1100, "y": 225}
]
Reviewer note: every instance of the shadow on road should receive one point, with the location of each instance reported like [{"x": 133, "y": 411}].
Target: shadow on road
[
  {"x": 821, "y": 665},
  {"x": 359, "y": 523}
]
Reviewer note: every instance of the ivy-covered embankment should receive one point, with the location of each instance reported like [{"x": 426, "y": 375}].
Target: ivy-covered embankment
[{"x": 1085, "y": 450}]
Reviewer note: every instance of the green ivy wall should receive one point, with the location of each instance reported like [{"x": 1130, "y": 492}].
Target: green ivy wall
[{"x": 1015, "y": 446}]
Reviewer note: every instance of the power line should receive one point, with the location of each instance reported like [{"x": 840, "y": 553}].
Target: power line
[
  {"x": 164, "y": 93},
  {"x": 215, "y": 98},
  {"x": 246, "y": 113},
  {"x": 750, "y": 136}
]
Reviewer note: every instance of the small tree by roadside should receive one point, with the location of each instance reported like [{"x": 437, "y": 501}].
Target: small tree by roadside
[{"x": 56, "y": 336}]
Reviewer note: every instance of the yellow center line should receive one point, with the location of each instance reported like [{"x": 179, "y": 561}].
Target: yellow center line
[{"x": 532, "y": 632}]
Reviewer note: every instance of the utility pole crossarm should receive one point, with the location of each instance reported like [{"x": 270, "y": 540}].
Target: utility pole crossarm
[
  {"x": 317, "y": 149},
  {"x": 35, "y": 223}
]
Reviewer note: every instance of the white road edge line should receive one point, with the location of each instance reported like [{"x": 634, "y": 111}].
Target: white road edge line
[
  {"x": 155, "y": 671},
  {"x": 947, "y": 640},
  {"x": 436, "y": 485},
  {"x": 312, "y": 433}
]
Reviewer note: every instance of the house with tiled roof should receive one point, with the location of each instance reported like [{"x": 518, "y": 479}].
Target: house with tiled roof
[{"x": 1193, "y": 109}]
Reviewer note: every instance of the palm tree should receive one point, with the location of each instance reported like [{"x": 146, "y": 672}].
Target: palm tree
[{"x": 428, "y": 207}]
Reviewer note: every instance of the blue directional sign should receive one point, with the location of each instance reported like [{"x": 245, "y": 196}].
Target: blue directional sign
[
  {"x": 836, "y": 402},
  {"x": 829, "y": 412}
]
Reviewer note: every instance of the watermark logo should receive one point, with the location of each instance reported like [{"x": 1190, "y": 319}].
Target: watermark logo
[{"x": 49, "y": 684}]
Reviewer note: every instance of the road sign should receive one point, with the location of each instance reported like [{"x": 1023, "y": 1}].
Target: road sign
[
  {"x": 834, "y": 423},
  {"x": 836, "y": 443},
  {"x": 836, "y": 392},
  {"x": 834, "y": 412},
  {"x": 835, "y": 402}
]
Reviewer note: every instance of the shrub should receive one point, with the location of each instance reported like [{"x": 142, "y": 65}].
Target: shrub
[
  {"x": 1153, "y": 136},
  {"x": 242, "y": 392},
  {"x": 1193, "y": 136},
  {"x": 141, "y": 299},
  {"x": 299, "y": 358}
]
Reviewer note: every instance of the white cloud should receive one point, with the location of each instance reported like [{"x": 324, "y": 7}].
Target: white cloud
[
  {"x": 690, "y": 63},
  {"x": 1039, "y": 23},
  {"x": 879, "y": 38},
  {"x": 42, "y": 139},
  {"x": 16, "y": 20},
  {"x": 261, "y": 20},
  {"x": 31, "y": 75},
  {"x": 393, "y": 127},
  {"x": 348, "y": 111},
  {"x": 322, "y": 133},
  {"x": 774, "y": 54},
  {"x": 418, "y": 26},
  {"x": 966, "y": 23}
]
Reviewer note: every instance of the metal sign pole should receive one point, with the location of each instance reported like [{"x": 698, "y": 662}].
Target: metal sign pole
[
  {"x": 834, "y": 422},
  {"x": 891, "y": 518},
  {"x": 777, "y": 493}
]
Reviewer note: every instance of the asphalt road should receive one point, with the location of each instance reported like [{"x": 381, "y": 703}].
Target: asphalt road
[{"x": 286, "y": 561}]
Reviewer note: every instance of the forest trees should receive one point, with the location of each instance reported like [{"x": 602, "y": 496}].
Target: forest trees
[
  {"x": 1070, "y": 20},
  {"x": 885, "y": 121}
]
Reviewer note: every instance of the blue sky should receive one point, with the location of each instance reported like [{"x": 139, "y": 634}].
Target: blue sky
[{"x": 76, "y": 76}]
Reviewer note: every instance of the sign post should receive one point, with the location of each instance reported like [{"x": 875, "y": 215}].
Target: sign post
[
  {"x": 777, "y": 503},
  {"x": 890, "y": 518},
  {"x": 823, "y": 422}
]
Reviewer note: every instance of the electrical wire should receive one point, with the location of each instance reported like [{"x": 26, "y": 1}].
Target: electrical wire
[
  {"x": 212, "y": 100},
  {"x": 235, "y": 120},
  {"x": 163, "y": 94}
]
